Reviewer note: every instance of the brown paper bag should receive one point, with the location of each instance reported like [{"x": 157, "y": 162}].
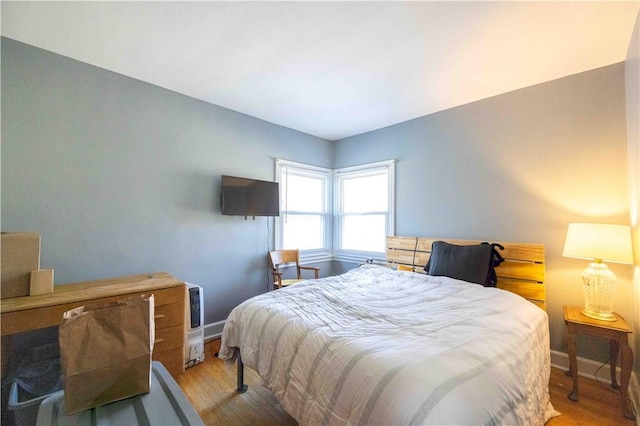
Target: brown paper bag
[{"x": 105, "y": 352}]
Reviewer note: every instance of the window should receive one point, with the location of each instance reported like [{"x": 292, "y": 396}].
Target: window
[
  {"x": 357, "y": 225},
  {"x": 364, "y": 209},
  {"x": 304, "y": 221}
]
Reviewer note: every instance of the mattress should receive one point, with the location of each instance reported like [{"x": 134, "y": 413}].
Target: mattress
[{"x": 379, "y": 346}]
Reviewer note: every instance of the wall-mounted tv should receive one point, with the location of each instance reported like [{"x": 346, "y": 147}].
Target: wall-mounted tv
[{"x": 249, "y": 197}]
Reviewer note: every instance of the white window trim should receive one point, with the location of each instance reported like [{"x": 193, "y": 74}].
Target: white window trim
[
  {"x": 310, "y": 256},
  {"x": 362, "y": 256}
]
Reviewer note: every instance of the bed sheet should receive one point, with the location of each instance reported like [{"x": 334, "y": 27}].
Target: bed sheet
[{"x": 379, "y": 346}]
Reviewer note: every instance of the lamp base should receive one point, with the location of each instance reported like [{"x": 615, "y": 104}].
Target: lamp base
[
  {"x": 599, "y": 285},
  {"x": 599, "y": 316}
]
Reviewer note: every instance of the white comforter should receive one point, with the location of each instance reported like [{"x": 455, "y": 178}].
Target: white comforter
[{"x": 378, "y": 346}]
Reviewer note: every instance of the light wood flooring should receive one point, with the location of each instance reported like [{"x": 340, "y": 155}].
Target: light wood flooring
[
  {"x": 598, "y": 403},
  {"x": 210, "y": 386}
]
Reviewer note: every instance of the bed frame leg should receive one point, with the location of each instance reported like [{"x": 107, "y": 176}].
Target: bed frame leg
[{"x": 242, "y": 387}]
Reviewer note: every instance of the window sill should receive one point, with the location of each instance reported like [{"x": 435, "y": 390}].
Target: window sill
[
  {"x": 310, "y": 258},
  {"x": 307, "y": 258},
  {"x": 378, "y": 258}
]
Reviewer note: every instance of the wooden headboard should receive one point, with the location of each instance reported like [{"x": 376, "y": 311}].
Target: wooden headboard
[{"x": 522, "y": 272}]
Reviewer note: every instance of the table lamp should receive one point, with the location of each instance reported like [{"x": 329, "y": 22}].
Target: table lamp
[{"x": 599, "y": 242}]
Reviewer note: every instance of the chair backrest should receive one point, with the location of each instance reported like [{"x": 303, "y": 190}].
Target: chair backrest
[{"x": 280, "y": 257}]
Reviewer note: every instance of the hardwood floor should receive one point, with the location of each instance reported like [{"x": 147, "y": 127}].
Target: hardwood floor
[
  {"x": 210, "y": 386},
  {"x": 598, "y": 403}
]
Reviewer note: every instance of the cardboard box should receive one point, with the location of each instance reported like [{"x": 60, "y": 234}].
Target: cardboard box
[
  {"x": 19, "y": 255},
  {"x": 41, "y": 282}
]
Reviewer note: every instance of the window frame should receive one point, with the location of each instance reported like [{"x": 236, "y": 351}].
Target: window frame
[
  {"x": 356, "y": 171},
  {"x": 313, "y": 255}
]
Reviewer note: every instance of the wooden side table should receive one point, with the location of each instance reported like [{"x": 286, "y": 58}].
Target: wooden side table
[{"x": 617, "y": 333}]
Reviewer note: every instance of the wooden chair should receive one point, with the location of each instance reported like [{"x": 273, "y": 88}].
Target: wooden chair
[
  {"x": 279, "y": 258},
  {"x": 406, "y": 268}
]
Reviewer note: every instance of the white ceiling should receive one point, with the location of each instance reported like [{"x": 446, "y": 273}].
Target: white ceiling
[{"x": 332, "y": 69}]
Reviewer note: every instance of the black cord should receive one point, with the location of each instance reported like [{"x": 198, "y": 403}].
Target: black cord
[
  {"x": 607, "y": 387},
  {"x": 268, "y": 250},
  {"x": 413, "y": 262},
  {"x": 598, "y": 379},
  {"x": 268, "y": 233}
]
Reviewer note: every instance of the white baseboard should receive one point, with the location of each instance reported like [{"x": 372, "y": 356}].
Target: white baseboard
[
  {"x": 213, "y": 331},
  {"x": 588, "y": 368}
]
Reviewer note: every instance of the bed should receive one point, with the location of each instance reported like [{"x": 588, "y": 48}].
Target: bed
[{"x": 377, "y": 345}]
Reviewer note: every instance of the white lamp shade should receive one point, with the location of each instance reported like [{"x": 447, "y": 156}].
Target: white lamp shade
[{"x": 611, "y": 243}]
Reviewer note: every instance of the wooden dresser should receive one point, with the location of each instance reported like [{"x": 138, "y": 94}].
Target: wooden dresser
[{"x": 27, "y": 313}]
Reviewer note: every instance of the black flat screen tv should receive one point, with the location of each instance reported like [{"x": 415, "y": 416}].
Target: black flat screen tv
[{"x": 249, "y": 197}]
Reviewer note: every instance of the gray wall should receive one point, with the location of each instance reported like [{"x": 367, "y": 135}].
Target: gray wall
[
  {"x": 516, "y": 167},
  {"x": 122, "y": 177}
]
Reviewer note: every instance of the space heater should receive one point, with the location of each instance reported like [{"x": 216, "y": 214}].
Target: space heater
[{"x": 194, "y": 345}]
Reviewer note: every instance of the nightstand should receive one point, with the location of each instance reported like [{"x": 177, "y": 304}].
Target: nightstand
[{"x": 617, "y": 332}]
